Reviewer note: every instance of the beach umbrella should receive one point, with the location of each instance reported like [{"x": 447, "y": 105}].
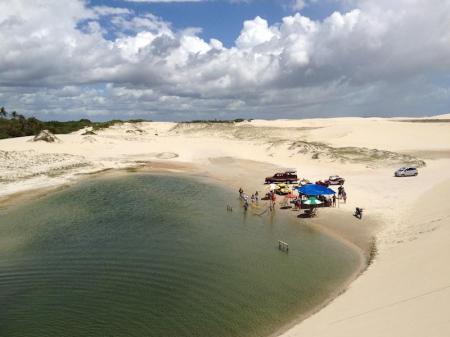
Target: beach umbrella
[
  {"x": 314, "y": 189},
  {"x": 274, "y": 187},
  {"x": 312, "y": 201}
]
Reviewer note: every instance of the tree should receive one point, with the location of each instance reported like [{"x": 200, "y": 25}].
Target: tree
[
  {"x": 22, "y": 121},
  {"x": 14, "y": 115},
  {"x": 33, "y": 126},
  {"x": 3, "y": 112}
]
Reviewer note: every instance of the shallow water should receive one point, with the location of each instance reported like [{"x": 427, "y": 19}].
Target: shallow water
[{"x": 146, "y": 255}]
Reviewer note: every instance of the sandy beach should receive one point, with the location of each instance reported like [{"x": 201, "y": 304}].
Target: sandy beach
[{"x": 406, "y": 289}]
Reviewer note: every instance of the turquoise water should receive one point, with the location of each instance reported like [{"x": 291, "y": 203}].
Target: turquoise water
[{"x": 146, "y": 255}]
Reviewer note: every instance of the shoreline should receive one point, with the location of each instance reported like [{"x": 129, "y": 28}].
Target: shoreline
[
  {"x": 413, "y": 222},
  {"x": 183, "y": 170}
]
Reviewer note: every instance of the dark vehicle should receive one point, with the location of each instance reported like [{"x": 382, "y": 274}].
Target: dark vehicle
[
  {"x": 289, "y": 177},
  {"x": 335, "y": 180},
  {"x": 322, "y": 183}
]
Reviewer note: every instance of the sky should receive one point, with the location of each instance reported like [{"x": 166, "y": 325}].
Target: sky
[{"x": 224, "y": 59}]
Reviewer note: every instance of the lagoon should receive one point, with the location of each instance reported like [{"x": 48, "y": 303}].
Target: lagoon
[{"x": 158, "y": 255}]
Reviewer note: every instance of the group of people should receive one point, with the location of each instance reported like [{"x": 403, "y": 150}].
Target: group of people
[
  {"x": 244, "y": 197},
  {"x": 271, "y": 196},
  {"x": 255, "y": 197}
]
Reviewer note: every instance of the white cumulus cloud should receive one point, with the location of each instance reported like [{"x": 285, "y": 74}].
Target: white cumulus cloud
[{"x": 380, "y": 57}]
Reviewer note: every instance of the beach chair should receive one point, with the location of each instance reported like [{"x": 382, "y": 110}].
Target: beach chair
[{"x": 311, "y": 212}]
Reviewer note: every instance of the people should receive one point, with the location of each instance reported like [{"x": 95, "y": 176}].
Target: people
[
  {"x": 240, "y": 192},
  {"x": 334, "y": 200},
  {"x": 340, "y": 191},
  {"x": 344, "y": 196},
  {"x": 272, "y": 197},
  {"x": 358, "y": 212},
  {"x": 256, "y": 197}
]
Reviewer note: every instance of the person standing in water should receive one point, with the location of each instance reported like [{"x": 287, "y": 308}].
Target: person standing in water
[{"x": 272, "y": 200}]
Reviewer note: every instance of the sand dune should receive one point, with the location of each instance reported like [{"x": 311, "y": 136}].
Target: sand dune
[
  {"x": 17, "y": 165},
  {"x": 405, "y": 292}
]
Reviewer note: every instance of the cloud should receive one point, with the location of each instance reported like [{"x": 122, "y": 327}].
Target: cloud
[
  {"x": 298, "y": 5},
  {"x": 59, "y": 59},
  {"x": 105, "y": 10},
  {"x": 162, "y": 1},
  {"x": 255, "y": 32}
]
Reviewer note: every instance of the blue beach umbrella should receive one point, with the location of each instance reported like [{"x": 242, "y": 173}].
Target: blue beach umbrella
[{"x": 314, "y": 189}]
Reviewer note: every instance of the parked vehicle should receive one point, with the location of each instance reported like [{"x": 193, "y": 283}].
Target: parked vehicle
[
  {"x": 335, "y": 180},
  {"x": 304, "y": 182},
  {"x": 406, "y": 172},
  {"x": 289, "y": 177},
  {"x": 322, "y": 183},
  {"x": 283, "y": 189}
]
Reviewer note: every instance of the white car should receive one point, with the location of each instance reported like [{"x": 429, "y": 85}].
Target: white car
[
  {"x": 335, "y": 180},
  {"x": 406, "y": 172}
]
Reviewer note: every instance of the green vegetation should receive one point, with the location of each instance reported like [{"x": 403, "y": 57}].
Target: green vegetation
[{"x": 16, "y": 125}]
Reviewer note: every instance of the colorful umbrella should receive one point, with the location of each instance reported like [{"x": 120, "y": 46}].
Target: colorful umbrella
[
  {"x": 312, "y": 201},
  {"x": 274, "y": 187},
  {"x": 314, "y": 189}
]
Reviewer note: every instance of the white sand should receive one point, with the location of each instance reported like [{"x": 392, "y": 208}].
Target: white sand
[{"x": 405, "y": 292}]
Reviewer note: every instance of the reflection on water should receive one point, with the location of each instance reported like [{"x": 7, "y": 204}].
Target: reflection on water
[{"x": 147, "y": 255}]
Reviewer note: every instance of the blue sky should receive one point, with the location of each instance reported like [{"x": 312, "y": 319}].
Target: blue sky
[
  {"x": 103, "y": 59},
  {"x": 221, "y": 19}
]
